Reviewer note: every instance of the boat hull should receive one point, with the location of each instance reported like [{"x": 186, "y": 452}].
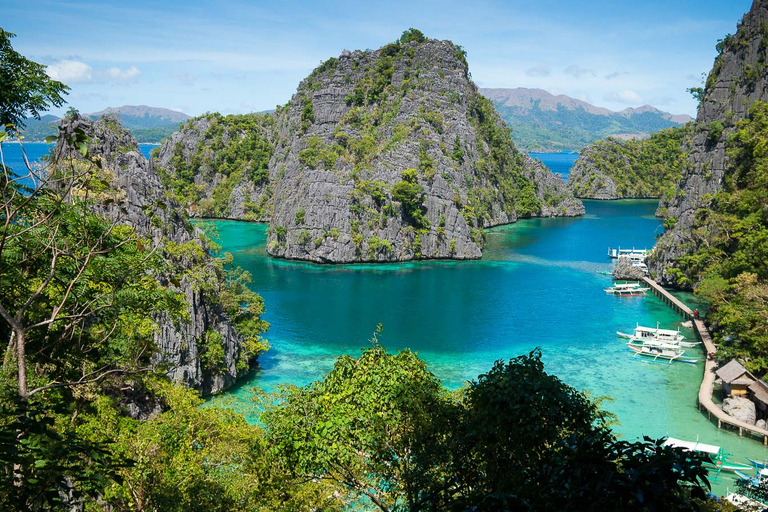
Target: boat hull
[{"x": 665, "y": 356}]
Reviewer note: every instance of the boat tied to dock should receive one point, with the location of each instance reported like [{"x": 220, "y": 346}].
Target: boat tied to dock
[
  {"x": 643, "y": 334},
  {"x": 627, "y": 289}
]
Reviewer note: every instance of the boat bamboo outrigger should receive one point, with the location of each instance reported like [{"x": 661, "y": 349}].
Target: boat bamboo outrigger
[
  {"x": 643, "y": 334},
  {"x": 718, "y": 457},
  {"x": 661, "y": 352},
  {"x": 627, "y": 289}
]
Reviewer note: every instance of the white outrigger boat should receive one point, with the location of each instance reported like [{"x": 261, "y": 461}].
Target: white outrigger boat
[
  {"x": 719, "y": 458},
  {"x": 627, "y": 289},
  {"x": 661, "y": 351},
  {"x": 644, "y": 334},
  {"x": 633, "y": 254}
]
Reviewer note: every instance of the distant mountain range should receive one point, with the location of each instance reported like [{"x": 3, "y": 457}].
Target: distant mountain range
[
  {"x": 541, "y": 121},
  {"x": 147, "y": 124}
]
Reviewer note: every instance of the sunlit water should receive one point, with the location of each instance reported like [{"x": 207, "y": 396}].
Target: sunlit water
[{"x": 537, "y": 286}]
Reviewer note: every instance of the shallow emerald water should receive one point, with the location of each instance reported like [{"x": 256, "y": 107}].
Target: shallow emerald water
[{"x": 536, "y": 286}]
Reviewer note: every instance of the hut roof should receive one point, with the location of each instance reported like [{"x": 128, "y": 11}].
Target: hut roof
[
  {"x": 744, "y": 380},
  {"x": 731, "y": 371},
  {"x": 760, "y": 391}
]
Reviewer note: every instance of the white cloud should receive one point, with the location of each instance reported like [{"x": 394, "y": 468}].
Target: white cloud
[
  {"x": 70, "y": 71},
  {"x": 577, "y": 71},
  {"x": 119, "y": 75},
  {"x": 630, "y": 97},
  {"x": 541, "y": 70},
  {"x": 616, "y": 74}
]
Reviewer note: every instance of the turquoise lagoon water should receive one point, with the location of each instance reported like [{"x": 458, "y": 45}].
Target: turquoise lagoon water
[{"x": 536, "y": 286}]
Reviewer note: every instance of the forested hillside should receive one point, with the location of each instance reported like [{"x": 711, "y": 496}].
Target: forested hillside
[{"x": 647, "y": 168}]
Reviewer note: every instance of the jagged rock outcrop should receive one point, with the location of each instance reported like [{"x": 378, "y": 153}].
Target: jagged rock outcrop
[
  {"x": 141, "y": 193},
  {"x": 389, "y": 155},
  {"x": 632, "y": 169},
  {"x": 219, "y": 166},
  {"x": 626, "y": 270},
  {"x": 587, "y": 180},
  {"x": 738, "y": 78},
  {"x": 743, "y": 409}
]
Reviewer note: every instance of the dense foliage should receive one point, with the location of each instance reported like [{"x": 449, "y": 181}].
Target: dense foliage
[
  {"x": 643, "y": 168},
  {"x": 232, "y": 149},
  {"x": 25, "y": 88},
  {"x": 727, "y": 258},
  {"x": 383, "y": 429}
]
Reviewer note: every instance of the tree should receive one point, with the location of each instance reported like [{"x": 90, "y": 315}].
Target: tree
[
  {"x": 382, "y": 426},
  {"x": 25, "y": 88},
  {"x": 363, "y": 427}
]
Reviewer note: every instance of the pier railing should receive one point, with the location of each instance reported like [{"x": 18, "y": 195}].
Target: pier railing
[{"x": 708, "y": 382}]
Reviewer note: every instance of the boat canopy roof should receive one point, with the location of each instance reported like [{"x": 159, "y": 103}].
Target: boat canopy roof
[
  {"x": 655, "y": 330},
  {"x": 693, "y": 446}
]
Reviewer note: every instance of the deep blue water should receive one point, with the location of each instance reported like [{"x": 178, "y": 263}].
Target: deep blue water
[
  {"x": 14, "y": 154},
  {"x": 558, "y": 162}
]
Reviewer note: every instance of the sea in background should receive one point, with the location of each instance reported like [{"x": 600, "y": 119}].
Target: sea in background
[
  {"x": 559, "y": 162},
  {"x": 537, "y": 285},
  {"x": 14, "y": 154}
]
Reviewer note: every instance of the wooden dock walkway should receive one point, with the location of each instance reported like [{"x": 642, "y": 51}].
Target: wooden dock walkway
[{"x": 708, "y": 382}]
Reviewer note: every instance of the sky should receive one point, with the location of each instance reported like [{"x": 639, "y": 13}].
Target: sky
[{"x": 237, "y": 56}]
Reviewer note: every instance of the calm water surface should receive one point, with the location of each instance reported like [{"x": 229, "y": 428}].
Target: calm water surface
[
  {"x": 558, "y": 162},
  {"x": 536, "y": 286}
]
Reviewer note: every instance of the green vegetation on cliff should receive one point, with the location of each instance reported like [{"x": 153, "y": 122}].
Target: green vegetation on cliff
[
  {"x": 645, "y": 168},
  {"x": 232, "y": 149},
  {"x": 727, "y": 259}
]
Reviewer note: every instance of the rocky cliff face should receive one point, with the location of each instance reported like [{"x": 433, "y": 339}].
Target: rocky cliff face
[
  {"x": 391, "y": 155},
  {"x": 142, "y": 193},
  {"x": 587, "y": 179},
  {"x": 738, "y": 78}
]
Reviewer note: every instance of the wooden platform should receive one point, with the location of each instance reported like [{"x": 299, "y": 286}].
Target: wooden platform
[{"x": 708, "y": 381}]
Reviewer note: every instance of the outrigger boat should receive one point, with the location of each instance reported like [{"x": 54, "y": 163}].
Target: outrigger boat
[
  {"x": 758, "y": 464},
  {"x": 719, "y": 458},
  {"x": 626, "y": 289},
  {"x": 633, "y": 254},
  {"x": 760, "y": 477},
  {"x": 661, "y": 351},
  {"x": 643, "y": 334}
]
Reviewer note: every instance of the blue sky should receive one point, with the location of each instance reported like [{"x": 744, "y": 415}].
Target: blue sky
[{"x": 236, "y": 56}]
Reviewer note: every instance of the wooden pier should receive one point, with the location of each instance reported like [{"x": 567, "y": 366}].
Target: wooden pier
[{"x": 708, "y": 382}]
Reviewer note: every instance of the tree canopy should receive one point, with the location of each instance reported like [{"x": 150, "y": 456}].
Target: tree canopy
[{"x": 25, "y": 88}]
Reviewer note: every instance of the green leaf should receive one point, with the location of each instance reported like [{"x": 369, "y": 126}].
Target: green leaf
[
  {"x": 50, "y": 139},
  {"x": 82, "y": 148},
  {"x": 3, "y": 135}
]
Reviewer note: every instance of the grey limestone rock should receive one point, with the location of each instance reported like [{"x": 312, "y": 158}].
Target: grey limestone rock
[
  {"x": 131, "y": 174},
  {"x": 732, "y": 86},
  {"x": 742, "y": 409},
  {"x": 625, "y": 270},
  {"x": 587, "y": 181},
  {"x": 343, "y": 141}
]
